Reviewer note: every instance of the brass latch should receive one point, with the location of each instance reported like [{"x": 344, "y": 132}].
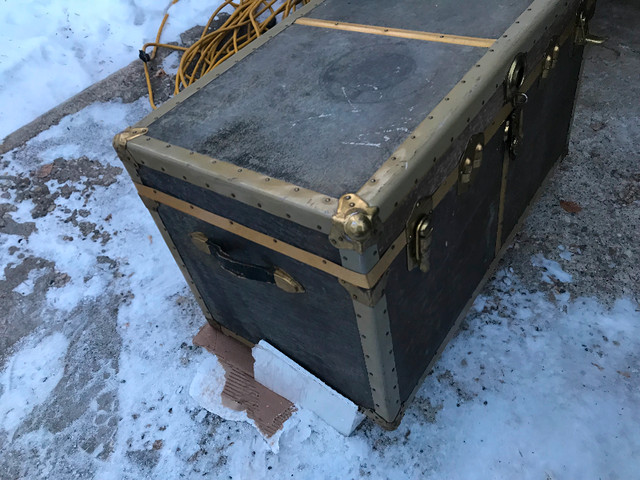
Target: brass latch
[
  {"x": 471, "y": 161},
  {"x": 419, "y": 231},
  {"x": 422, "y": 239}
]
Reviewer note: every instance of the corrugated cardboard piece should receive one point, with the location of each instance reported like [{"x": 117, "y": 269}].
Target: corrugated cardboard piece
[{"x": 241, "y": 391}]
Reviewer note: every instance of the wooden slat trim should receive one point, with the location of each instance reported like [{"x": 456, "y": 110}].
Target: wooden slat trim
[
  {"x": 397, "y": 32},
  {"x": 366, "y": 281}
]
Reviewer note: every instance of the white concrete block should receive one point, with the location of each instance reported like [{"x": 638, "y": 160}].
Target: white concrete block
[{"x": 279, "y": 373}]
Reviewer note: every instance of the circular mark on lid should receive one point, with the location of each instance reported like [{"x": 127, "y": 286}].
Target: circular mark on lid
[{"x": 368, "y": 75}]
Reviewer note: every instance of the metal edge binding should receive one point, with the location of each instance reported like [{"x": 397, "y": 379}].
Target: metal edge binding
[
  {"x": 282, "y": 199},
  {"x": 377, "y": 347},
  {"x": 398, "y": 174},
  {"x": 370, "y": 296},
  {"x": 153, "y": 210},
  {"x": 227, "y": 64},
  {"x": 364, "y": 281}
]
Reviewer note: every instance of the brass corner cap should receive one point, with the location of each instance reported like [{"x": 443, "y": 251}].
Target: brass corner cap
[
  {"x": 353, "y": 223},
  {"x": 121, "y": 139}
]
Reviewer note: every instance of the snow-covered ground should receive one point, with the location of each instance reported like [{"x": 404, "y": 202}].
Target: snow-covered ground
[
  {"x": 51, "y": 50},
  {"x": 96, "y": 321}
]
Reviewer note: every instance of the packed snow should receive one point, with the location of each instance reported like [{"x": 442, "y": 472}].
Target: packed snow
[{"x": 29, "y": 377}]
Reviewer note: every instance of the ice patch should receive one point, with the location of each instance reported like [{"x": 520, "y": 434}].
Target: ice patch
[
  {"x": 564, "y": 253},
  {"x": 552, "y": 270},
  {"x": 29, "y": 377}
]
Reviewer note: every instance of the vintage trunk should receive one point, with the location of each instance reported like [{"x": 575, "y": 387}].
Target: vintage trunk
[{"x": 342, "y": 186}]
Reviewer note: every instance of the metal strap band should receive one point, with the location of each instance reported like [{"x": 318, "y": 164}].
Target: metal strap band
[
  {"x": 397, "y": 32},
  {"x": 361, "y": 280}
]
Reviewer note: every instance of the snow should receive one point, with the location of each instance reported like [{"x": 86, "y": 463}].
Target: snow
[
  {"x": 53, "y": 50},
  {"x": 552, "y": 270},
  {"x": 282, "y": 375},
  {"x": 26, "y": 287},
  {"x": 535, "y": 386},
  {"x": 29, "y": 378}
]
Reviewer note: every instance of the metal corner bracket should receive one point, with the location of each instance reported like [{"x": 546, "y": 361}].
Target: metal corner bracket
[
  {"x": 354, "y": 224},
  {"x": 121, "y": 139}
]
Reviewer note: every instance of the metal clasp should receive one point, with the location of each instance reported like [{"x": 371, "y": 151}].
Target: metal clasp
[
  {"x": 422, "y": 239},
  {"x": 471, "y": 161},
  {"x": 419, "y": 231}
]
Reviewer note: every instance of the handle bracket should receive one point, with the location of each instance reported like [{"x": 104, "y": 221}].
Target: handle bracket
[{"x": 274, "y": 275}]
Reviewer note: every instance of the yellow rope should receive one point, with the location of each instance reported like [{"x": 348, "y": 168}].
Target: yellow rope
[{"x": 249, "y": 20}]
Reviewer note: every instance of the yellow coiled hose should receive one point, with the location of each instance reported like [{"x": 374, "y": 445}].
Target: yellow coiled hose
[{"x": 249, "y": 20}]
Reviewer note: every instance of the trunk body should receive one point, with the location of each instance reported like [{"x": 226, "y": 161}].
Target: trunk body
[{"x": 342, "y": 187}]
